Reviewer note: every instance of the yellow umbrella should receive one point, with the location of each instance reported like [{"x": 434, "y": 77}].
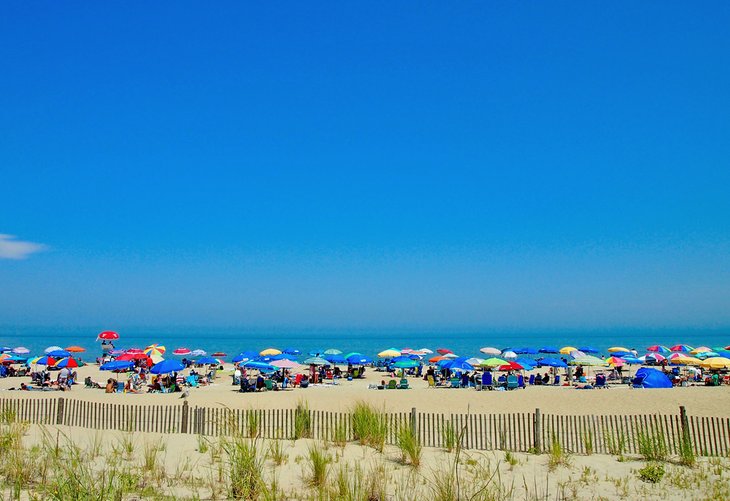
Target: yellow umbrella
[
  {"x": 685, "y": 360},
  {"x": 701, "y": 349},
  {"x": 390, "y": 353},
  {"x": 270, "y": 351},
  {"x": 567, "y": 350},
  {"x": 614, "y": 349},
  {"x": 154, "y": 349},
  {"x": 715, "y": 363}
]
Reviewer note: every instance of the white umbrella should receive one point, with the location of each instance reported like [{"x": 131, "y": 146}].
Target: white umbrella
[
  {"x": 21, "y": 350},
  {"x": 198, "y": 353},
  {"x": 52, "y": 348},
  {"x": 488, "y": 350},
  {"x": 509, "y": 354},
  {"x": 426, "y": 350}
]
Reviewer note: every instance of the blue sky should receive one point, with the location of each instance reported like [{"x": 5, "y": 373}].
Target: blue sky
[{"x": 505, "y": 164}]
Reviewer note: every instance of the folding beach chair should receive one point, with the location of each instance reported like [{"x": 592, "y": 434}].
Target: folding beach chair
[{"x": 512, "y": 382}]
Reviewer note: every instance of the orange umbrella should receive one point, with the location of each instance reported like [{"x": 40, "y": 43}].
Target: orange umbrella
[
  {"x": 436, "y": 358},
  {"x": 76, "y": 349}
]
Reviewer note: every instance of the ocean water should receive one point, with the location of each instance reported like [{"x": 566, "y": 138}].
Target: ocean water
[{"x": 368, "y": 342}]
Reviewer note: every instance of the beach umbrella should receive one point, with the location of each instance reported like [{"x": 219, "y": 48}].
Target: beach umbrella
[
  {"x": 658, "y": 348},
  {"x": 134, "y": 351},
  {"x": 357, "y": 359},
  {"x": 443, "y": 351},
  {"x": 715, "y": 363},
  {"x": 335, "y": 359},
  {"x": 270, "y": 351},
  {"x": 614, "y": 349},
  {"x": 76, "y": 349},
  {"x": 549, "y": 349},
  {"x": 511, "y": 366},
  {"x": 44, "y": 360},
  {"x": 588, "y": 349},
  {"x": 285, "y": 363},
  {"x": 245, "y": 356},
  {"x": 701, "y": 349},
  {"x": 261, "y": 366},
  {"x": 552, "y": 362},
  {"x": 181, "y": 351},
  {"x": 207, "y": 361},
  {"x": 11, "y": 358},
  {"x": 156, "y": 359},
  {"x": 108, "y": 335},
  {"x": 332, "y": 351},
  {"x": 493, "y": 362},
  {"x": 219, "y": 354},
  {"x": 566, "y": 350},
  {"x": 116, "y": 352},
  {"x": 526, "y": 351},
  {"x": 167, "y": 366},
  {"x": 291, "y": 351},
  {"x": 509, "y": 354},
  {"x": 117, "y": 365},
  {"x": 488, "y": 350},
  {"x": 198, "y": 353},
  {"x": 474, "y": 361},
  {"x": 389, "y": 353},
  {"x": 651, "y": 378},
  {"x": 319, "y": 352},
  {"x": 66, "y": 362},
  {"x": 621, "y": 354},
  {"x": 3, "y": 349},
  {"x": 654, "y": 357},
  {"x": 682, "y": 347},
  {"x": 59, "y": 353},
  {"x": 406, "y": 351},
  {"x": 21, "y": 350},
  {"x": 436, "y": 359},
  {"x": 315, "y": 361},
  {"x": 154, "y": 349},
  {"x": 588, "y": 360},
  {"x": 405, "y": 364},
  {"x": 428, "y": 352},
  {"x": 50, "y": 349},
  {"x": 633, "y": 360},
  {"x": 707, "y": 354},
  {"x": 458, "y": 365},
  {"x": 527, "y": 363},
  {"x": 133, "y": 356},
  {"x": 615, "y": 361}
]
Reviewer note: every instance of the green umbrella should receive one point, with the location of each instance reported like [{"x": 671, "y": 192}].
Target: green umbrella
[
  {"x": 316, "y": 361},
  {"x": 406, "y": 364},
  {"x": 493, "y": 362}
]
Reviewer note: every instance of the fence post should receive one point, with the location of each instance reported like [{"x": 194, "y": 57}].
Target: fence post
[
  {"x": 414, "y": 431},
  {"x": 184, "y": 417},
  {"x": 60, "y": 410},
  {"x": 685, "y": 424},
  {"x": 537, "y": 430}
]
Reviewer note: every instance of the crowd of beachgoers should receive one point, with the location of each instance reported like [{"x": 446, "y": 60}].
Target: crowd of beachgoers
[{"x": 148, "y": 370}]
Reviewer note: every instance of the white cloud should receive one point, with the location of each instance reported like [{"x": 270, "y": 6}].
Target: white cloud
[{"x": 10, "y": 248}]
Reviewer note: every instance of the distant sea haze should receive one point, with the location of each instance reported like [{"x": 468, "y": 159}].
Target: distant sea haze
[{"x": 368, "y": 342}]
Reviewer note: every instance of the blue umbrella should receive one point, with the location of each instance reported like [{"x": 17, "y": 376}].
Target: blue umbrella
[
  {"x": 207, "y": 361},
  {"x": 45, "y": 360},
  {"x": 246, "y": 355},
  {"x": 548, "y": 349},
  {"x": 358, "y": 359},
  {"x": 59, "y": 354},
  {"x": 553, "y": 362},
  {"x": 527, "y": 363},
  {"x": 631, "y": 360},
  {"x": 262, "y": 366},
  {"x": 335, "y": 359},
  {"x": 3, "y": 349},
  {"x": 117, "y": 365},
  {"x": 167, "y": 366},
  {"x": 316, "y": 353},
  {"x": 291, "y": 351},
  {"x": 458, "y": 365},
  {"x": 400, "y": 358},
  {"x": 588, "y": 349}
]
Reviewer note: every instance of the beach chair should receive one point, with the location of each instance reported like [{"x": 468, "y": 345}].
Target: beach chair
[
  {"x": 120, "y": 386},
  {"x": 487, "y": 381},
  {"x": 191, "y": 381},
  {"x": 512, "y": 382},
  {"x": 268, "y": 384},
  {"x": 455, "y": 382},
  {"x": 431, "y": 382},
  {"x": 403, "y": 384},
  {"x": 556, "y": 382},
  {"x": 297, "y": 380},
  {"x": 521, "y": 381},
  {"x": 600, "y": 381},
  {"x": 392, "y": 385},
  {"x": 531, "y": 381}
]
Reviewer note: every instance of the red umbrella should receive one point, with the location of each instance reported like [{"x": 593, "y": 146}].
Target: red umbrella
[
  {"x": 108, "y": 335},
  {"x": 135, "y": 351},
  {"x": 181, "y": 351},
  {"x": 135, "y": 356},
  {"x": 219, "y": 354},
  {"x": 444, "y": 351},
  {"x": 511, "y": 366}
]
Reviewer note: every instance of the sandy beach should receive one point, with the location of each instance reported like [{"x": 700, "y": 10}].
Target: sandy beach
[{"x": 618, "y": 399}]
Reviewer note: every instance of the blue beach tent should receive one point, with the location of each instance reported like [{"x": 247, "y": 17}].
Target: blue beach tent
[{"x": 647, "y": 377}]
